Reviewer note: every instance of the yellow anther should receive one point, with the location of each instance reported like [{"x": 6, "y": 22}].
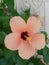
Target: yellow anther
[{"x": 29, "y": 38}]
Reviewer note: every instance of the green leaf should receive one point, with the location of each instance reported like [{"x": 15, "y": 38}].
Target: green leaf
[
  {"x": 2, "y": 13},
  {"x": 6, "y": 24},
  {"x": 1, "y": 25},
  {"x": 2, "y": 5},
  {"x": 7, "y": 53},
  {"x": 27, "y": 11},
  {"x": 26, "y": 15},
  {"x": 1, "y": 53},
  {"x": 40, "y": 52},
  {"x": 37, "y": 61},
  {"x": 14, "y": 56},
  {"x": 14, "y": 13},
  {"x": 30, "y": 64},
  {"x": 18, "y": 60},
  {"x": 45, "y": 33},
  {"x": 3, "y": 61},
  {"x": 10, "y": 62},
  {"x": 2, "y": 36},
  {"x": 6, "y": 21},
  {"x": 10, "y": 5},
  {"x": 46, "y": 54}
]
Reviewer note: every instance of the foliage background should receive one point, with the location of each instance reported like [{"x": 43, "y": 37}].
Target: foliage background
[{"x": 8, "y": 57}]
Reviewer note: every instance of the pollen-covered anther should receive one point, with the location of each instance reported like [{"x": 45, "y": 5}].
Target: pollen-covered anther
[{"x": 29, "y": 38}]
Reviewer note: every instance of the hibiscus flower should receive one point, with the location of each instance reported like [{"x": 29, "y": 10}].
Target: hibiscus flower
[{"x": 25, "y": 37}]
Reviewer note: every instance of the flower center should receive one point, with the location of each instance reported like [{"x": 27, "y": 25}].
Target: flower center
[{"x": 25, "y": 36}]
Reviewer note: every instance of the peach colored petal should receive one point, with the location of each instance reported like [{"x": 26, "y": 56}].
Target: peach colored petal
[
  {"x": 34, "y": 24},
  {"x": 12, "y": 41},
  {"x": 17, "y": 24},
  {"x": 26, "y": 50},
  {"x": 38, "y": 41}
]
